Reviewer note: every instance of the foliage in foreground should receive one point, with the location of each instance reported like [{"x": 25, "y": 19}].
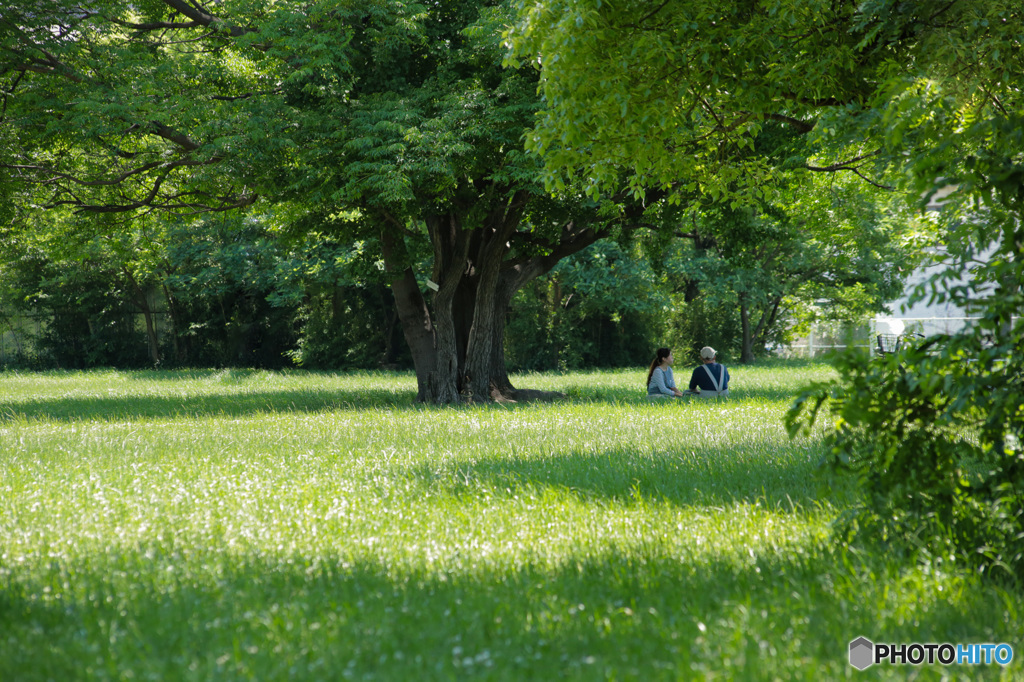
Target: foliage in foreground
[{"x": 936, "y": 433}]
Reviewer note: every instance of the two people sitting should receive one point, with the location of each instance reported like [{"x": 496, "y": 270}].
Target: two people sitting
[{"x": 709, "y": 380}]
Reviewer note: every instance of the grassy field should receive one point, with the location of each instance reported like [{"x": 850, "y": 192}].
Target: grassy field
[{"x": 223, "y": 525}]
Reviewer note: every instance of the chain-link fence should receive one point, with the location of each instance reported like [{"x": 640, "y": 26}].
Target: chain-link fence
[
  {"x": 16, "y": 338},
  {"x": 824, "y": 337},
  {"x": 18, "y": 335}
]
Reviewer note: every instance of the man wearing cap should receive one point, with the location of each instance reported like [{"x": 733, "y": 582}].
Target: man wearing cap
[{"x": 711, "y": 377}]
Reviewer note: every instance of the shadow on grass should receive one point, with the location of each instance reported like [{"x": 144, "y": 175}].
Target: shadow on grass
[
  {"x": 244, "y": 393},
  {"x": 737, "y": 394},
  {"x": 762, "y": 393},
  {"x": 626, "y": 613},
  {"x": 242, "y": 375},
  {"x": 783, "y": 477},
  {"x": 231, "y": 404},
  {"x": 259, "y": 400}
]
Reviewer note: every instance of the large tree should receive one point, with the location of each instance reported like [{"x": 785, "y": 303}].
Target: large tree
[{"x": 380, "y": 118}]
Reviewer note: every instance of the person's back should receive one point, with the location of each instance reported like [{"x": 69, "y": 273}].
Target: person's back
[{"x": 710, "y": 377}]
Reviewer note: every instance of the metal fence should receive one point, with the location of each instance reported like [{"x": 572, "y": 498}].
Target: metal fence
[
  {"x": 18, "y": 334},
  {"x": 16, "y": 337},
  {"x": 825, "y": 337}
]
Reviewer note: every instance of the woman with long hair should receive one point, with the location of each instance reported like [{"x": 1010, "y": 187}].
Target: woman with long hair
[{"x": 660, "y": 382}]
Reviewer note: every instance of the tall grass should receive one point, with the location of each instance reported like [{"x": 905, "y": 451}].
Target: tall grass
[{"x": 260, "y": 525}]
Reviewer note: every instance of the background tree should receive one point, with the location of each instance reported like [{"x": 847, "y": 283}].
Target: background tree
[
  {"x": 82, "y": 289},
  {"x": 825, "y": 250},
  {"x": 230, "y": 291},
  {"x": 602, "y": 307}
]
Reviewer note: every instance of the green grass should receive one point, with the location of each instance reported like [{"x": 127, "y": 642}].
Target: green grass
[{"x": 315, "y": 526}]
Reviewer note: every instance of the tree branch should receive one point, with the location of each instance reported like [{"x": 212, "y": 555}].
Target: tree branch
[
  {"x": 57, "y": 175},
  {"x": 172, "y": 135},
  {"x": 802, "y": 126},
  {"x": 154, "y": 25},
  {"x": 650, "y": 14},
  {"x": 848, "y": 165},
  {"x": 843, "y": 165},
  {"x": 939, "y": 12},
  {"x": 48, "y": 67},
  {"x": 200, "y": 16},
  {"x": 248, "y": 95},
  {"x": 150, "y": 200},
  {"x": 888, "y": 188},
  {"x": 819, "y": 102},
  {"x": 228, "y": 203}
]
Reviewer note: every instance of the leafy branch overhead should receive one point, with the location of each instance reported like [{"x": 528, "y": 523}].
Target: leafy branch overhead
[
  {"x": 158, "y": 105},
  {"x": 672, "y": 93},
  {"x": 921, "y": 96}
]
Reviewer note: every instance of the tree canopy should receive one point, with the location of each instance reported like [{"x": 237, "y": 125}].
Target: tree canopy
[{"x": 669, "y": 93}]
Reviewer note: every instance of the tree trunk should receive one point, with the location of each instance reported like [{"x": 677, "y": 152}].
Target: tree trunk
[
  {"x": 432, "y": 355},
  {"x": 768, "y": 317},
  {"x": 462, "y": 333},
  {"x": 480, "y": 348},
  {"x": 513, "y": 277},
  {"x": 463, "y": 306},
  {"x": 389, "y": 319},
  {"x": 501, "y": 387},
  {"x": 172, "y": 314},
  {"x": 747, "y": 349},
  {"x": 154, "y": 345}
]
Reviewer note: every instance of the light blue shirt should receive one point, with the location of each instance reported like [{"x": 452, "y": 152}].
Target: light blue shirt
[{"x": 662, "y": 382}]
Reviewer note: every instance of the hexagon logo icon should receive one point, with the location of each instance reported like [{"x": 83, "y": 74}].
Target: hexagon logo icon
[{"x": 862, "y": 653}]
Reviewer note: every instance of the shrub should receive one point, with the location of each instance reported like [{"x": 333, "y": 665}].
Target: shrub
[{"x": 934, "y": 434}]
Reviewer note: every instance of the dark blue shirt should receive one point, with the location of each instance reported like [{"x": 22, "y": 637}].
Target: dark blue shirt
[{"x": 701, "y": 378}]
